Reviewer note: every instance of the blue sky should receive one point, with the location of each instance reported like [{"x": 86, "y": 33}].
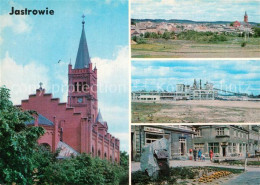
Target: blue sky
[
  {"x": 32, "y": 45},
  {"x": 197, "y": 10},
  {"x": 235, "y": 75}
]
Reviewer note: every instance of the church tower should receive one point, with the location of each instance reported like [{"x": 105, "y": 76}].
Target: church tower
[
  {"x": 245, "y": 18},
  {"x": 82, "y": 82}
]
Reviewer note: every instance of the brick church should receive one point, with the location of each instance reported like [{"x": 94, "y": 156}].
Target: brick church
[{"x": 76, "y": 126}]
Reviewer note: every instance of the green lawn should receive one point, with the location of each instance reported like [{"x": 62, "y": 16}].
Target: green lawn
[{"x": 160, "y": 48}]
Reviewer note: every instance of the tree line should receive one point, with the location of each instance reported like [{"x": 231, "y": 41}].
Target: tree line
[{"x": 208, "y": 37}]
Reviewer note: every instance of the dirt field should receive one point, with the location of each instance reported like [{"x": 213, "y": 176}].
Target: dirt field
[
  {"x": 195, "y": 111},
  {"x": 160, "y": 48}
]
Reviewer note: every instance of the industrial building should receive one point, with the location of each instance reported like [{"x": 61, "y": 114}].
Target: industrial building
[{"x": 183, "y": 92}]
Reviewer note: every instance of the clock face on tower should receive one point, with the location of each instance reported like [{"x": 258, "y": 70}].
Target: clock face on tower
[{"x": 80, "y": 100}]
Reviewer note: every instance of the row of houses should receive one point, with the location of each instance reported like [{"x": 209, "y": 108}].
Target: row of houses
[
  {"x": 152, "y": 27},
  {"x": 226, "y": 141}
]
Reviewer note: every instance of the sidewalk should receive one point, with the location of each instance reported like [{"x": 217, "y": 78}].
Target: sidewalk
[
  {"x": 135, "y": 166},
  {"x": 247, "y": 178}
]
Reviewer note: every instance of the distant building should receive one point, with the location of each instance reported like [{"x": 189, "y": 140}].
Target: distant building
[
  {"x": 246, "y": 18},
  {"x": 236, "y": 24},
  {"x": 180, "y": 138}
]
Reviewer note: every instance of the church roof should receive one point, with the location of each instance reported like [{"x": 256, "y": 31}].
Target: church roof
[
  {"x": 82, "y": 60},
  {"x": 41, "y": 121},
  {"x": 66, "y": 150},
  {"x": 99, "y": 118}
]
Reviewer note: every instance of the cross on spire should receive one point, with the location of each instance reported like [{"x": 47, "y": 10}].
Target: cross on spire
[
  {"x": 40, "y": 85},
  {"x": 83, "y": 17},
  {"x": 83, "y": 59}
]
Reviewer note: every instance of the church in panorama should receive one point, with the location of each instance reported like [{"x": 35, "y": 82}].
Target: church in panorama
[{"x": 76, "y": 126}]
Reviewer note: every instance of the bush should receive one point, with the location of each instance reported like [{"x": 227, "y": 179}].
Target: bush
[
  {"x": 82, "y": 169},
  {"x": 209, "y": 37},
  {"x": 256, "y": 31},
  {"x": 134, "y": 38},
  {"x": 147, "y": 35},
  {"x": 140, "y": 177},
  {"x": 154, "y": 35},
  {"x": 183, "y": 173},
  {"x": 166, "y": 35},
  {"x": 243, "y": 44}
]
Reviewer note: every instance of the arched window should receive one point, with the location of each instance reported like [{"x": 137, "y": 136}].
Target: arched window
[
  {"x": 105, "y": 155},
  {"x": 110, "y": 158},
  {"x": 85, "y": 87},
  {"x": 80, "y": 86},
  {"x": 75, "y": 87},
  {"x": 116, "y": 159},
  {"x": 99, "y": 154},
  {"x": 93, "y": 152}
]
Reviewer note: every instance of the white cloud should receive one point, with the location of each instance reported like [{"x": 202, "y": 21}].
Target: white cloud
[
  {"x": 18, "y": 24},
  {"x": 113, "y": 74},
  {"x": 22, "y": 80},
  {"x": 243, "y": 75}
]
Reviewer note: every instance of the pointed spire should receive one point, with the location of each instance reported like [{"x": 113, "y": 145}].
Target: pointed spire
[
  {"x": 245, "y": 13},
  {"x": 82, "y": 59},
  {"x": 99, "y": 117}
]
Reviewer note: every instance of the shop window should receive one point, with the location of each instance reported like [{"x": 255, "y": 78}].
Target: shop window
[{"x": 214, "y": 147}]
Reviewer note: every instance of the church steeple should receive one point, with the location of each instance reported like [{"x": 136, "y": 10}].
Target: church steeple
[
  {"x": 246, "y": 18},
  {"x": 82, "y": 60},
  {"x": 82, "y": 92}
]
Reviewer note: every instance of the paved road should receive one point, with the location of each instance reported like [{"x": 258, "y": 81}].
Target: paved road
[{"x": 247, "y": 178}]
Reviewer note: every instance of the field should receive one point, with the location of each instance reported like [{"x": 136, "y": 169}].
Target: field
[
  {"x": 196, "y": 111},
  {"x": 161, "y": 48}
]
